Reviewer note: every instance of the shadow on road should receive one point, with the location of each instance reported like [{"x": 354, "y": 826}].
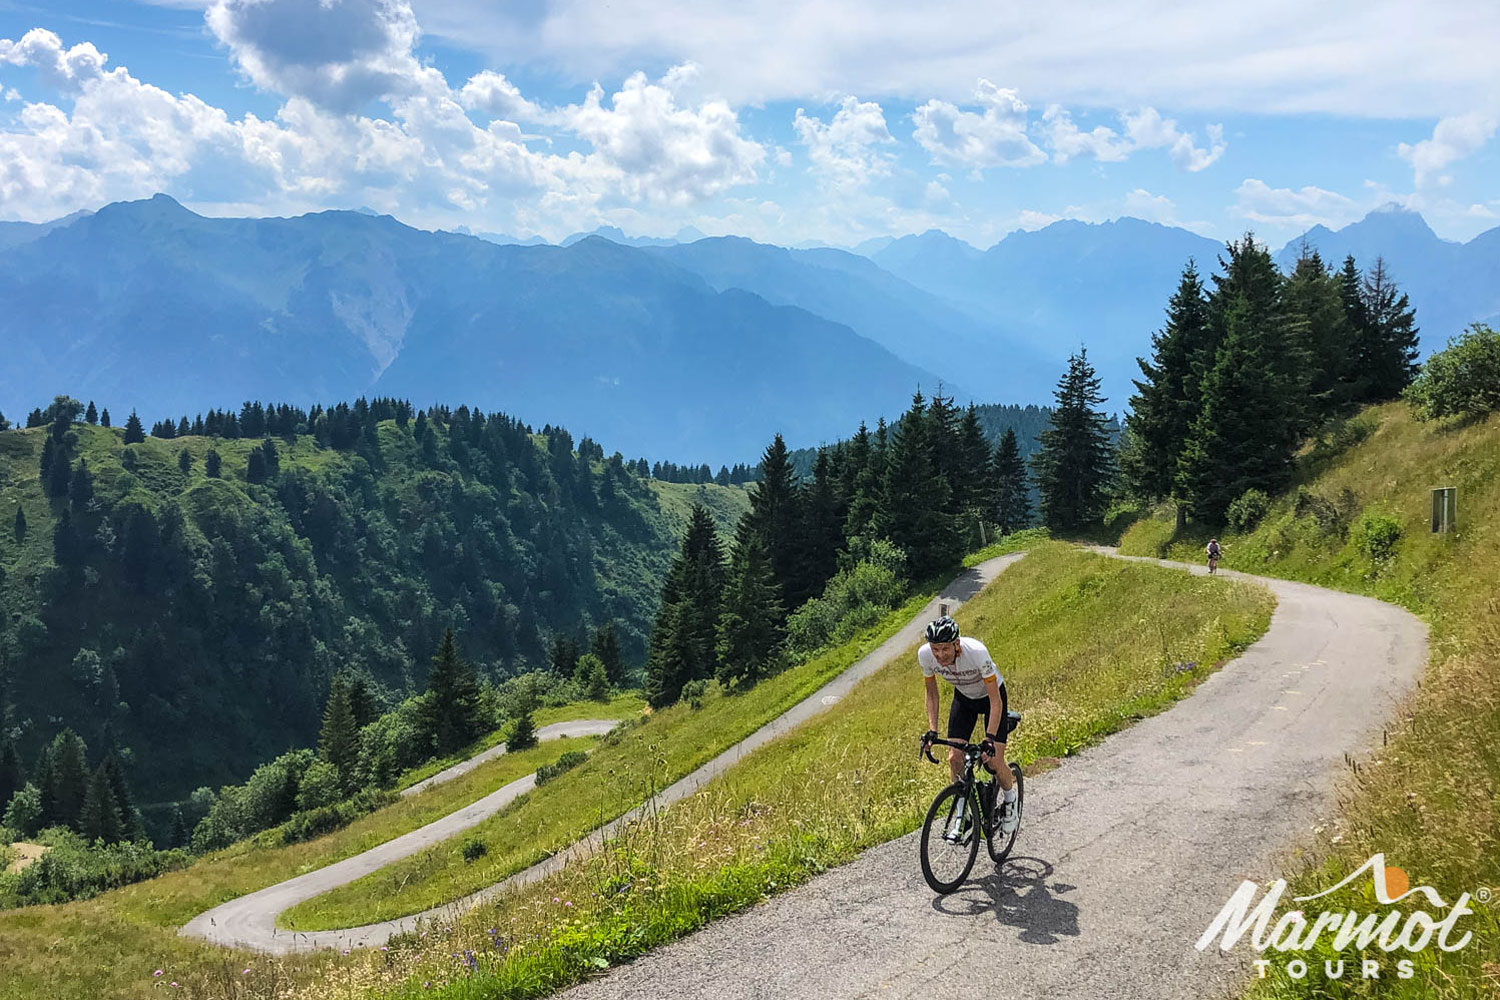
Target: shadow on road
[
  {"x": 1021, "y": 895},
  {"x": 964, "y": 586}
]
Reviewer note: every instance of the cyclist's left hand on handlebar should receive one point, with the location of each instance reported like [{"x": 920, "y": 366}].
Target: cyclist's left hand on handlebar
[{"x": 987, "y": 745}]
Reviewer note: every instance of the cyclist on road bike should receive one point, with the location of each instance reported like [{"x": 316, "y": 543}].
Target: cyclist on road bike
[
  {"x": 978, "y": 690},
  {"x": 1214, "y": 552}
]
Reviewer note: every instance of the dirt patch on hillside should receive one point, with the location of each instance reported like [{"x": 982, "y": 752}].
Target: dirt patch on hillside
[{"x": 28, "y": 852}]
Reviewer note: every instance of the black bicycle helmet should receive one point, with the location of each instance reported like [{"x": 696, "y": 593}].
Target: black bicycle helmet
[{"x": 944, "y": 629}]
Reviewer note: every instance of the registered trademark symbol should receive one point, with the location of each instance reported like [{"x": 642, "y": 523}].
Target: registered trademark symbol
[{"x": 1483, "y": 894}]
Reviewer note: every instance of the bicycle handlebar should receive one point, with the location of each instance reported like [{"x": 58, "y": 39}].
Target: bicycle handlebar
[{"x": 957, "y": 744}]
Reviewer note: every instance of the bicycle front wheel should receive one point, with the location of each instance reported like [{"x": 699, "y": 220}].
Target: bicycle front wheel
[
  {"x": 999, "y": 846},
  {"x": 950, "y": 839}
]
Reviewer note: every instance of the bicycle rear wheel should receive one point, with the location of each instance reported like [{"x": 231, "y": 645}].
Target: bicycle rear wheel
[
  {"x": 950, "y": 839},
  {"x": 1000, "y": 851}
]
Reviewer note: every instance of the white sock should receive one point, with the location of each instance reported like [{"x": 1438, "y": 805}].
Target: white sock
[{"x": 1010, "y": 794}]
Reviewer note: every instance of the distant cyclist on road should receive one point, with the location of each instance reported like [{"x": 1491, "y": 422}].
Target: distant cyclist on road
[
  {"x": 1214, "y": 552},
  {"x": 978, "y": 690}
]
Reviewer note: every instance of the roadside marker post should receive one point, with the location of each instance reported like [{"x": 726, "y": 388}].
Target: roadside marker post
[{"x": 1444, "y": 510}]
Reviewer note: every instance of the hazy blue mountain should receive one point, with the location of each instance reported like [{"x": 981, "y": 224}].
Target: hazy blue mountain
[
  {"x": 938, "y": 263},
  {"x": 1451, "y": 284},
  {"x": 1103, "y": 286},
  {"x": 617, "y": 235},
  {"x": 503, "y": 239},
  {"x": 915, "y": 325},
  {"x": 13, "y": 234},
  {"x": 147, "y": 305}
]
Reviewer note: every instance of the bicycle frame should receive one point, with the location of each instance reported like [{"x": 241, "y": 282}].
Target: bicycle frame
[{"x": 973, "y": 753}]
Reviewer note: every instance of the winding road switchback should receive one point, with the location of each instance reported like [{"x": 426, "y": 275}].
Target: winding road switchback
[{"x": 250, "y": 920}]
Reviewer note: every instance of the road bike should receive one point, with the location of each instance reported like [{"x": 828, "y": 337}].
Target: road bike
[{"x": 950, "y": 837}]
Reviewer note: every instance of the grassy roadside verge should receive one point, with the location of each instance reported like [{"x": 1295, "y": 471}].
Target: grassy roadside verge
[
  {"x": 1427, "y": 797},
  {"x": 1087, "y": 644},
  {"x": 618, "y": 776},
  {"x": 110, "y": 945}
]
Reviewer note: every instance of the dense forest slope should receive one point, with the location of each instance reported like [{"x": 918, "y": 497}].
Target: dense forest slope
[{"x": 189, "y": 598}]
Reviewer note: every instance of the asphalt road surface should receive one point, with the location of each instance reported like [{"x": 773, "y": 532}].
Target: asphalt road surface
[{"x": 1125, "y": 854}]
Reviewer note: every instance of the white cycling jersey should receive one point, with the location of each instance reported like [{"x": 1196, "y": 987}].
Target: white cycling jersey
[{"x": 970, "y": 667}]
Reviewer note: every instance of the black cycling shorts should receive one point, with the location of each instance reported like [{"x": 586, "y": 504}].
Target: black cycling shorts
[{"x": 964, "y": 712}]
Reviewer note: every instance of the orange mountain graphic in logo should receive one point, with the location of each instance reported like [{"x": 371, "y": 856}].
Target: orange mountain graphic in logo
[{"x": 1391, "y": 884}]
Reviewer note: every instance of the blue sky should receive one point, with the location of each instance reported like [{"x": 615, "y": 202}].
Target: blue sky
[{"x": 784, "y": 121}]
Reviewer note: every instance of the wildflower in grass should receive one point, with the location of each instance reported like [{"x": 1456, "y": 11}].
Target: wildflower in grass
[
  {"x": 244, "y": 972},
  {"x": 156, "y": 974}
]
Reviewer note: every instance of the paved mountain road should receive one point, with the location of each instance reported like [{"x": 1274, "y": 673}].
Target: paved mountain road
[
  {"x": 1126, "y": 852},
  {"x": 250, "y": 920}
]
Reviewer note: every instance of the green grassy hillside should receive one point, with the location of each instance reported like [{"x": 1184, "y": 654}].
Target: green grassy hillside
[{"x": 1358, "y": 519}]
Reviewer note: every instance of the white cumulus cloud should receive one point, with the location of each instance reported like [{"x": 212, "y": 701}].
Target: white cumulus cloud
[
  {"x": 1302, "y": 207},
  {"x": 1453, "y": 138},
  {"x": 657, "y": 150},
  {"x": 64, "y": 69},
  {"x": 846, "y": 152},
  {"x": 993, "y": 137},
  {"x": 1143, "y": 129},
  {"x": 339, "y": 54}
]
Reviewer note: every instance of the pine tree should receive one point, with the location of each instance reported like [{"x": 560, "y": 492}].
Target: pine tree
[
  {"x": 184, "y": 461},
  {"x": 452, "y": 704},
  {"x": 606, "y": 646},
  {"x": 822, "y": 528},
  {"x": 134, "y": 432},
  {"x": 1316, "y": 308},
  {"x": 91, "y": 414},
  {"x": 67, "y": 544},
  {"x": 98, "y": 819},
  {"x": 865, "y": 489},
  {"x": 65, "y": 779},
  {"x": 685, "y": 637},
  {"x": 12, "y": 776},
  {"x": 123, "y": 801},
  {"x": 1012, "y": 510},
  {"x": 591, "y": 676},
  {"x": 918, "y": 497},
  {"x": 1387, "y": 351},
  {"x": 563, "y": 655},
  {"x": 776, "y": 507},
  {"x": 522, "y": 732},
  {"x": 212, "y": 464},
  {"x": 81, "y": 487},
  {"x": 362, "y": 701},
  {"x": 104, "y": 417},
  {"x": 255, "y": 466},
  {"x": 1165, "y": 403},
  {"x": 973, "y": 487},
  {"x": 20, "y": 528},
  {"x": 749, "y": 628},
  {"x": 1075, "y": 465},
  {"x": 178, "y": 835},
  {"x": 338, "y": 742},
  {"x": 1251, "y": 285},
  {"x": 1244, "y": 435}
]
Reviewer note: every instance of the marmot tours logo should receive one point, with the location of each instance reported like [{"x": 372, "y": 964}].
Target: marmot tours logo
[{"x": 1389, "y": 930}]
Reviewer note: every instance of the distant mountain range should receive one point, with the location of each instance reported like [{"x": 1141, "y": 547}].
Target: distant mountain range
[
  {"x": 147, "y": 305},
  {"x": 688, "y": 349}
]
